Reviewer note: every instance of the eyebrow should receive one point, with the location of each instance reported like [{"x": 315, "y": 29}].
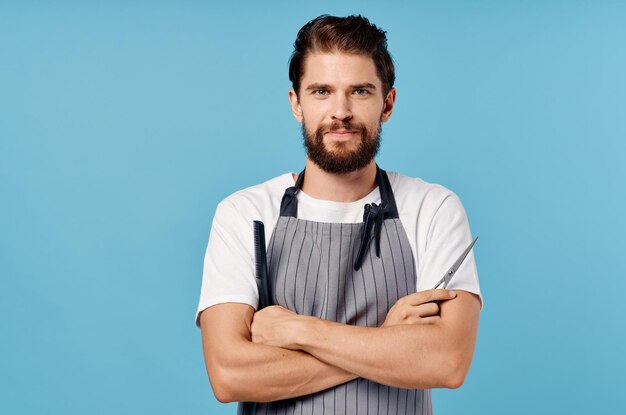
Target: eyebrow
[
  {"x": 365, "y": 85},
  {"x": 317, "y": 86}
]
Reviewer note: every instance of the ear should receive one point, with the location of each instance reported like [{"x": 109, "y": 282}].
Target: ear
[
  {"x": 388, "y": 105},
  {"x": 295, "y": 105}
]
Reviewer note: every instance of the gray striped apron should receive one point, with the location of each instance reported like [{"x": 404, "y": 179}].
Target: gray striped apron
[{"x": 333, "y": 271}]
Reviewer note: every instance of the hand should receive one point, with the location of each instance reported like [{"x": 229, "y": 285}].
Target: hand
[
  {"x": 275, "y": 326},
  {"x": 418, "y": 308}
]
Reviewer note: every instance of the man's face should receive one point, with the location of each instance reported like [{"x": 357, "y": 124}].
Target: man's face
[{"x": 341, "y": 108}]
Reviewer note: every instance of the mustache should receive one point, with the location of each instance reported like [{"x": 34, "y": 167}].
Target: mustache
[{"x": 342, "y": 125}]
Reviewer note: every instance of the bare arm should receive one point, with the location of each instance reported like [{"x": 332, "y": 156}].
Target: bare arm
[
  {"x": 407, "y": 355},
  {"x": 240, "y": 370}
]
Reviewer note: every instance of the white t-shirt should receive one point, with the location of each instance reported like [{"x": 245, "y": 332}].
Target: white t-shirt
[{"x": 433, "y": 217}]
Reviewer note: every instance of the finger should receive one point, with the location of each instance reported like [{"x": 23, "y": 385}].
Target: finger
[
  {"x": 427, "y": 296},
  {"x": 410, "y": 314},
  {"x": 422, "y": 297},
  {"x": 427, "y": 309},
  {"x": 429, "y": 320},
  {"x": 414, "y": 319}
]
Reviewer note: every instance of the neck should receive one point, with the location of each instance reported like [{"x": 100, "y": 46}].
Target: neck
[{"x": 348, "y": 187}]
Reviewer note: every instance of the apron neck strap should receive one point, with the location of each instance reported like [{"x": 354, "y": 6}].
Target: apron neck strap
[
  {"x": 289, "y": 202},
  {"x": 386, "y": 194}
]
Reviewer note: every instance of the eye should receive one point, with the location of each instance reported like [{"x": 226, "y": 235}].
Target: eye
[
  {"x": 320, "y": 92},
  {"x": 361, "y": 91}
]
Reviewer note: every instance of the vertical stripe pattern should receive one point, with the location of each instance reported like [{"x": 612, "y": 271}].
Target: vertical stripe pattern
[{"x": 311, "y": 272}]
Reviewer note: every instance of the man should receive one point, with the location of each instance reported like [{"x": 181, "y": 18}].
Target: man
[{"x": 356, "y": 326}]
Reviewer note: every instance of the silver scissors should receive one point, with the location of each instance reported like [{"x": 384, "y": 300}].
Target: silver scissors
[{"x": 448, "y": 276}]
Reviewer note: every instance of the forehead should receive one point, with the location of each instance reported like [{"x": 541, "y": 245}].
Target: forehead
[{"x": 339, "y": 69}]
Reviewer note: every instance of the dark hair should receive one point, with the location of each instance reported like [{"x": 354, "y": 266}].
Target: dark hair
[{"x": 352, "y": 34}]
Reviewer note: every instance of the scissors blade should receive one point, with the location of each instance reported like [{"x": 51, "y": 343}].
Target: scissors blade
[{"x": 450, "y": 273}]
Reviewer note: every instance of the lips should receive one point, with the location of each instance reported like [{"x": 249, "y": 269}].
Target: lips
[{"x": 342, "y": 133}]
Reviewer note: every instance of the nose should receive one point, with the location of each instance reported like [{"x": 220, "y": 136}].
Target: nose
[{"x": 341, "y": 108}]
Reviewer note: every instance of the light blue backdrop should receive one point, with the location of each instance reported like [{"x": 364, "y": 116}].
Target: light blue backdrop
[{"x": 122, "y": 124}]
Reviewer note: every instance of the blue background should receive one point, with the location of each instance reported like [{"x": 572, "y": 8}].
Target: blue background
[{"x": 123, "y": 124}]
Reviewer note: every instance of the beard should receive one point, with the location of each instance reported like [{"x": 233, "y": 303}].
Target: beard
[{"x": 341, "y": 159}]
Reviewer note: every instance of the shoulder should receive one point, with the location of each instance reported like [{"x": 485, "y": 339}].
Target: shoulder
[
  {"x": 258, "y": 202},
  {"x": 415, "y": 193}
]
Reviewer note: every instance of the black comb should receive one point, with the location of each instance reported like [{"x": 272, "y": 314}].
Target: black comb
[{"x": 261, "y": 264}]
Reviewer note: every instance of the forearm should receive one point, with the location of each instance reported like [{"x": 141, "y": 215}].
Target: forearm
[
  {"x": 260, "y": 373},
  {"x": 406, "y": 356}
]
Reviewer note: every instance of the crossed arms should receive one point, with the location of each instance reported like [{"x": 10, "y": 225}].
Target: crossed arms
[{"x": 276, "y": 354}]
